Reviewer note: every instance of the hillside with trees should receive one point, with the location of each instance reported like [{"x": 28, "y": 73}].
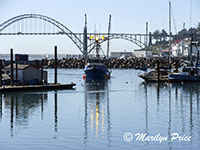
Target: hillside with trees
[{"x": 160, "y": 38}]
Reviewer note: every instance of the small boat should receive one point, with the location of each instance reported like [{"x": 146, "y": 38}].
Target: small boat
[
  {"x": 155, "y": 75},
  {"x": 96, "y": 71},
  {"x": 188, "y": 74}
]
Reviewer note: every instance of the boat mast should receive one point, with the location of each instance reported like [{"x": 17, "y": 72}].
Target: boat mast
[
  {"x": 169, "y": 33},
  {"x": 97, "y": 49},
  {"x": 108, "y": 43},
  {"x": 85, "y": 38},
  {"x": 146, "y": 44},
  {"x": 191, "y": 64}
]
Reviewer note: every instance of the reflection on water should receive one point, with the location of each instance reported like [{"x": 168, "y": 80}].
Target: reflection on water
[
  {"x": 97, "y": 114},
  {"x": 183, "y": 94},
  {"x": 97, "y": 111},
  {"x": 56, "y": 111},
  {"x": 21, "y": 105}
]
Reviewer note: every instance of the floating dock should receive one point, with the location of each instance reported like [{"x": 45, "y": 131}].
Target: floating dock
[{"x": 47, "y": 87}]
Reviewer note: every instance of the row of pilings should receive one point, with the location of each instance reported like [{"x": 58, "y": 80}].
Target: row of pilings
[
  {"x": 116, "y": 63},
  {"x": 39, "y": 64}
]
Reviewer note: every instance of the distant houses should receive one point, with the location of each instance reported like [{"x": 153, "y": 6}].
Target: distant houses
[
  {"x": 143, "y": 53},
  {"x": 136, "y": 53},
  {"x": 180, "y": 48}
]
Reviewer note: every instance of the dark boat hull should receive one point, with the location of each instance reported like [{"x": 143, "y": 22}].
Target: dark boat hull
[
  {"x": 154, "y": 78},
  {"x": 95, "y": 74},
  {"x": 183, "y": 78}
]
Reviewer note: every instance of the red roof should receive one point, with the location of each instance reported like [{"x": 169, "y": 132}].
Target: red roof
[
  {"x": 177, "y": 41},
  {"x": 165, "y": 50}
]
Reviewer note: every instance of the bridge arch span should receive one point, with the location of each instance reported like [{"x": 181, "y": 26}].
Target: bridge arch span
[
  {"x": 131, "y": 39},
  {"x": 77, "y": 41}
]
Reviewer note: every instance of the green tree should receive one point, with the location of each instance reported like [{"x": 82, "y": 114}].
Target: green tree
[
  {"x": 182, "y": 34},
  {"x": 163, "y": 34},
  {"x": 192, "y": 30},
  {"x": 198, "y": 28},
  {"x": 156, "y": 35}
]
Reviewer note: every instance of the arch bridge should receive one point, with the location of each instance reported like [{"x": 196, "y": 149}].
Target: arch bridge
[{"x": 36, "y": 24}]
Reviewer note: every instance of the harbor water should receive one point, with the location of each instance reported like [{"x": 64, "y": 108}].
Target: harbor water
[{"x": 102, "y": 115}]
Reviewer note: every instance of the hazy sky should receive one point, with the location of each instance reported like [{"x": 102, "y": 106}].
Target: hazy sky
[{"x": 128, "y": 16}]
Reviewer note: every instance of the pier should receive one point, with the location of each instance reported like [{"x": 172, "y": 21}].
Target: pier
[
  {"x": 21, "y": 77},
  {"x": 48, "y": 87}
]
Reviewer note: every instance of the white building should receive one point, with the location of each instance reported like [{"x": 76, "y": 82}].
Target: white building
[
  {"x": 142, "y": 53},
  {"x": 121, "y": 54},
  {"x": 27, "y": 74},
  {"x": 182, "y": 48}
]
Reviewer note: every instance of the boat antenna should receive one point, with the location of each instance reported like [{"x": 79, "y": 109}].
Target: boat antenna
[
  {"x": 85, "y": 20},
  {"x": 95, "y": 28},
  {"x": 108, "y": 43}
]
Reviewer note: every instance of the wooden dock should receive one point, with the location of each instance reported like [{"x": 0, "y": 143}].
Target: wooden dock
[{"x": 47, "y": 87}]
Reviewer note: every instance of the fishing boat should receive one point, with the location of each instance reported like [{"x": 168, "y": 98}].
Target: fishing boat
[{"x": 95, "y": 69}]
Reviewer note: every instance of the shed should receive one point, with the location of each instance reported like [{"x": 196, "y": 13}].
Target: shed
[{"x": 27, "y": 74}]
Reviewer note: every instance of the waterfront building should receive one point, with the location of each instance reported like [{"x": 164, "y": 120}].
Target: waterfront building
[
  {"x": 121, "y": 54},
  {"x": 27, "y": 74},
  {"x": 143, "y": 53},
  {"x": 182, "y": 48},
  {"x": 164, "y": 52}
]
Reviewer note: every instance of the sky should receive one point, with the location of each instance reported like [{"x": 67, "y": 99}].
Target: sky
[{"x": 128, "y": 16}]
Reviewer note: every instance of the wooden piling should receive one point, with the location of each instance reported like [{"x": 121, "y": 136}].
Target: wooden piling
[
  {"x": 11, "y": 66},
  {"x": 16, "y": 76},
  {"x": 158, "y": 67},
  {"x": 0, "y": 73},
  {"x": 55, "y": 64},
  {"x": 41, "y": 72}
]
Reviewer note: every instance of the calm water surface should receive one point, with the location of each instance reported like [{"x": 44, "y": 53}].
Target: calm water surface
[{"x": 97, "y": 115}]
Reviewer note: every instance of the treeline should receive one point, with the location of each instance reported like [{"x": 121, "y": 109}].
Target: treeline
[{"x": 161, "y": 36}]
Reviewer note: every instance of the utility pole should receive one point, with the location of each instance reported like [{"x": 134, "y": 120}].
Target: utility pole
[{"x": 108, "y": 43}]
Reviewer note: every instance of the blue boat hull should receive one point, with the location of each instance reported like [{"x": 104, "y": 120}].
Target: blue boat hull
[
  {"x": 183, "y": 78},
  {"x": 95, "y": 74}
]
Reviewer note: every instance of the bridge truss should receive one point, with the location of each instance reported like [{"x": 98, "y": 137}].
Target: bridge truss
[{"x": 36, "y": 24}]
